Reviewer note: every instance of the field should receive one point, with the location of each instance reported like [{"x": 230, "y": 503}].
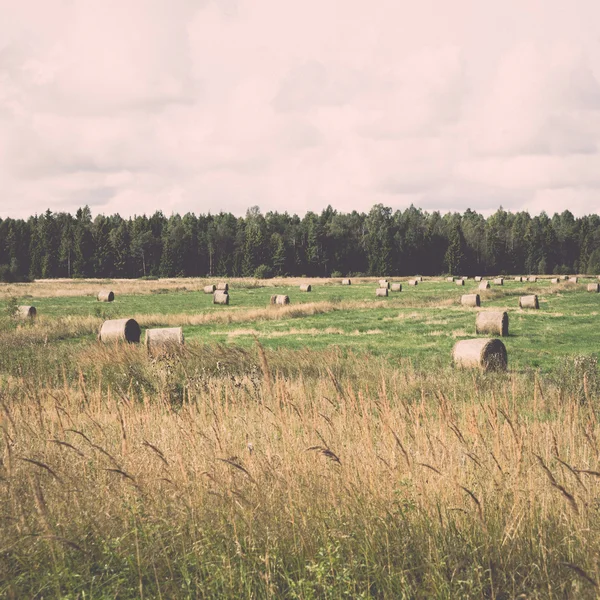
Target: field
[{"x": 325, "y": 449}]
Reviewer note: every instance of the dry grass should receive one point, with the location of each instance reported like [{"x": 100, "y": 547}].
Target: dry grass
[{"x": 407, "y": 481}]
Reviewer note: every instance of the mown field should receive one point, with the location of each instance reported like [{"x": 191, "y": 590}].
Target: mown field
[{"x": 325, "y": 449}]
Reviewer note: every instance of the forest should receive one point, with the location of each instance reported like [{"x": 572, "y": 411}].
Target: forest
[{"x": 380, "y": 242}]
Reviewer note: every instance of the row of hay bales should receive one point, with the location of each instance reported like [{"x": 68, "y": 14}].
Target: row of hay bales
[{"x": 128, "y": 330}]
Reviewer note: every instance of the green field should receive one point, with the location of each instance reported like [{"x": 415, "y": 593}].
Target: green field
[
  {"x": 324, "y": 449},
  {"x": 420, "y": 323}
]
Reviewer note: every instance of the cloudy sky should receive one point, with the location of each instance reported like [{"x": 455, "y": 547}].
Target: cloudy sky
[{"x": 189, "y": 105}]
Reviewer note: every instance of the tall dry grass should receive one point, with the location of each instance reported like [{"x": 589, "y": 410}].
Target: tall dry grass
[{"x": 248, "y": 475}]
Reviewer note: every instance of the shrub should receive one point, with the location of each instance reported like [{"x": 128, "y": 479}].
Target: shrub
[{"x": 336, "y": 274}]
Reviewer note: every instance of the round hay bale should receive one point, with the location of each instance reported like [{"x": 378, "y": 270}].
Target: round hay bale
[
  {"x": 484, "y": 285},
  {"x": 280, "y": 299},
  {"x": 460, "y": 282},
  {"x": 554, "y": 280},
  {"x": 593, "y": 287},
  {"x": 26, "y": 312},
  {"x": 384, "y": 283},
  {"x": 519, "y": 279},
  {"x": 306, "y": 287},
  {"x": 164, "y": 339},
  {"x": 419, "y": 278},
  {"x": 209, "y": 289},
  {"x": 222, "y": 287},
  {"x": 478, "y": 278},
  {"x": 529, "y": 302},
  {"x": 470, "y": 300},
  {"x": 396, "y": 287},
  {"x": 346, "y": 282},
  {"x": 573, "y": 279},
  {"x": 120, "y": 330},
  {"x": 499, "y": 281},
  {"x": 413, "y": 282},
  {"x": 492, "y": 322},
  {"x": 488, "y": 354},
  {"x": 450, "y": 279},
  {"x": 105, "y": 296},
  {"x": 220, "y": 297},
  {"x": 532, "y": 279},
  {"x": 381, "y": 292}
]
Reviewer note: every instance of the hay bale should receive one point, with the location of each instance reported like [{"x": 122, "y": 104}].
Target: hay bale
[
  {"x": 460, "y": 282},
  {"x": 450, "y": 279},
  {"x": 384, "y": 283},
  {"x": 222, "y": 287},
  {"x": 488, "y": 354},
  {"x": 26, "y": 312},
  {"x": 105, "y": 296},
  {"x": 573, "y": 279},
  {"x": 280, "y": 299},
  {"x": 492, "y": 322},
  {"x": 532, "y": 279},
  {"x": 381, "y": 292},
  {"x": 554, "y": 280},
  {"x": 499, "y": 281},
  {"x": 519, "y": 279},
  {"x": 396, "y": 287},
  {"x": 220, "y": 297},
  {"x": 484, "y": 285},
  {"x": 470, "y": 300},
  {"x": 209, "y": 289},
  {"x": 529, "y": 302},
  {"x": 306, "y": 287},
  {"x": 478, "y": 278},
  {"x": 120, "y": 330},
  {"x": 346, "y": 282},
  {"x": 419, "y": 278},
  {"x": 413, "y": 282},
  {"x": 164, "y": 339},
  {"x": 593, "y": 287}
]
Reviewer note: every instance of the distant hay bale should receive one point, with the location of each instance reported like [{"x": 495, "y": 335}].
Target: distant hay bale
[
  {"x": 478, "y": 278},
  {"x": 384, "y": 283},
  {"x": 419, "y": 278},
  {"x": 564, "y": 277},
  {"x": 573, "y": 279},
  {"x": 120, "y": 330},
  {"x": 26, "y": 312},
  {"x": 396, "y": 287},
  {"x": 529, "y": 302},
  {"x": 164, "y": 339},
  {"x": 554, "y": 280},
  {"x": 209, "y": 289},
  {"x": 593, "y": 287},
  {"x": 492, "y": 322},
  {"x": 280, "y": 299},
  {"x": 222, "y": 287},
  {"x": 220, "y": 297},
  {"x": 346, "y": 282},
  {"x": 488, "y": 354},
  {"x": 105, "y": 296},
  {"x": 413, "y": 282},
  {"x": 519, "y": 279},
  {"x": 484, "y": 285},
  {"x": 499, "y": 281},
  {"x": 381, "y": 292},
  {"x": 460, "y": 282},
  {"x": 450, "y": 279},
  {"x": 306, "y": 287},
  {"x": 532, "y": 279},
  {"x": 470, "y": 300}
]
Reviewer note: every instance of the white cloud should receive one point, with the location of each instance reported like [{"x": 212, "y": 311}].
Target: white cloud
[{"x": 179, "y": 105}]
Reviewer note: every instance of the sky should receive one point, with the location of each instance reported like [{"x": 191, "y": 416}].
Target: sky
[{"x": 133, "y": 106}]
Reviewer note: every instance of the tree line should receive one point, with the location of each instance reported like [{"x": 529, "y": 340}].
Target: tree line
[{"x": 380, "y": 242}]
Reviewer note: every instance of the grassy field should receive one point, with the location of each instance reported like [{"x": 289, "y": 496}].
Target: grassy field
[{"x": 325, "y": 449}]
